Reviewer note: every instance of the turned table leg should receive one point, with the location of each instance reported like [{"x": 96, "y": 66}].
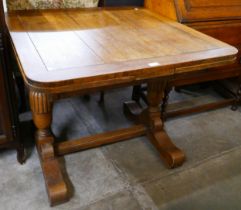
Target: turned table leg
[
  {"x": 151, "y": 118},
  {"x": 171, "y": 155},
  {"x": 41, "y": 107}
]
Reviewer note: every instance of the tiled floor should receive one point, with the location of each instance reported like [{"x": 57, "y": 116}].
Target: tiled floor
[{"x": 130, "y": 175}]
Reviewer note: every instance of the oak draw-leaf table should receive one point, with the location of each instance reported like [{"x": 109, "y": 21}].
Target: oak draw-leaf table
[{"x": 62, "y": 53}]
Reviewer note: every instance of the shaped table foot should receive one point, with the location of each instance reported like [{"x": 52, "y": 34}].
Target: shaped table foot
[
  {"x": 54, "y": 181},
  {"x": 170, "y": 154}
]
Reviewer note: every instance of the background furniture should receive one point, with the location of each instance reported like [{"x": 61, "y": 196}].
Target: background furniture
[
  {"x": 9, "y": 125},
  {"x": 219, "y": 19}
]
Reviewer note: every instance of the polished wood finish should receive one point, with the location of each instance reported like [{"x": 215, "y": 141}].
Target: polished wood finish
[
  {"x": 9, "y": 127},
  {"x": 219, "y": 19},
  {"x": 69, "y": 52},
  {"x": 52, "y": 48},
  {"x": 97, "y": 140}
]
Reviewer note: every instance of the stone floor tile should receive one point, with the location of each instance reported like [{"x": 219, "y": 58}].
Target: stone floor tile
[{"x": 214, "y": 184}]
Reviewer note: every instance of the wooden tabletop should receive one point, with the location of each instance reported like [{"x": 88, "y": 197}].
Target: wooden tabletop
[{"x": 62, "y": 47}]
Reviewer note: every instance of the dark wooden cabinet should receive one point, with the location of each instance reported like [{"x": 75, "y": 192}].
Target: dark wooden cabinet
[
  {"x": 9, "y": 129},
  {"x": 5, "y": 118}
]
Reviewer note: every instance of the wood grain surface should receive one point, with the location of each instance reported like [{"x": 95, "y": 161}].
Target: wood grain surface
[{"x": 84, "y": 46}]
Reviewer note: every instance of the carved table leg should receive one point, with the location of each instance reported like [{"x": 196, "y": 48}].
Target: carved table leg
[
  {"x": 41, "y": 107},
  {"x": 171, "y": 155},
  {"x": 151, "y": 117}
]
